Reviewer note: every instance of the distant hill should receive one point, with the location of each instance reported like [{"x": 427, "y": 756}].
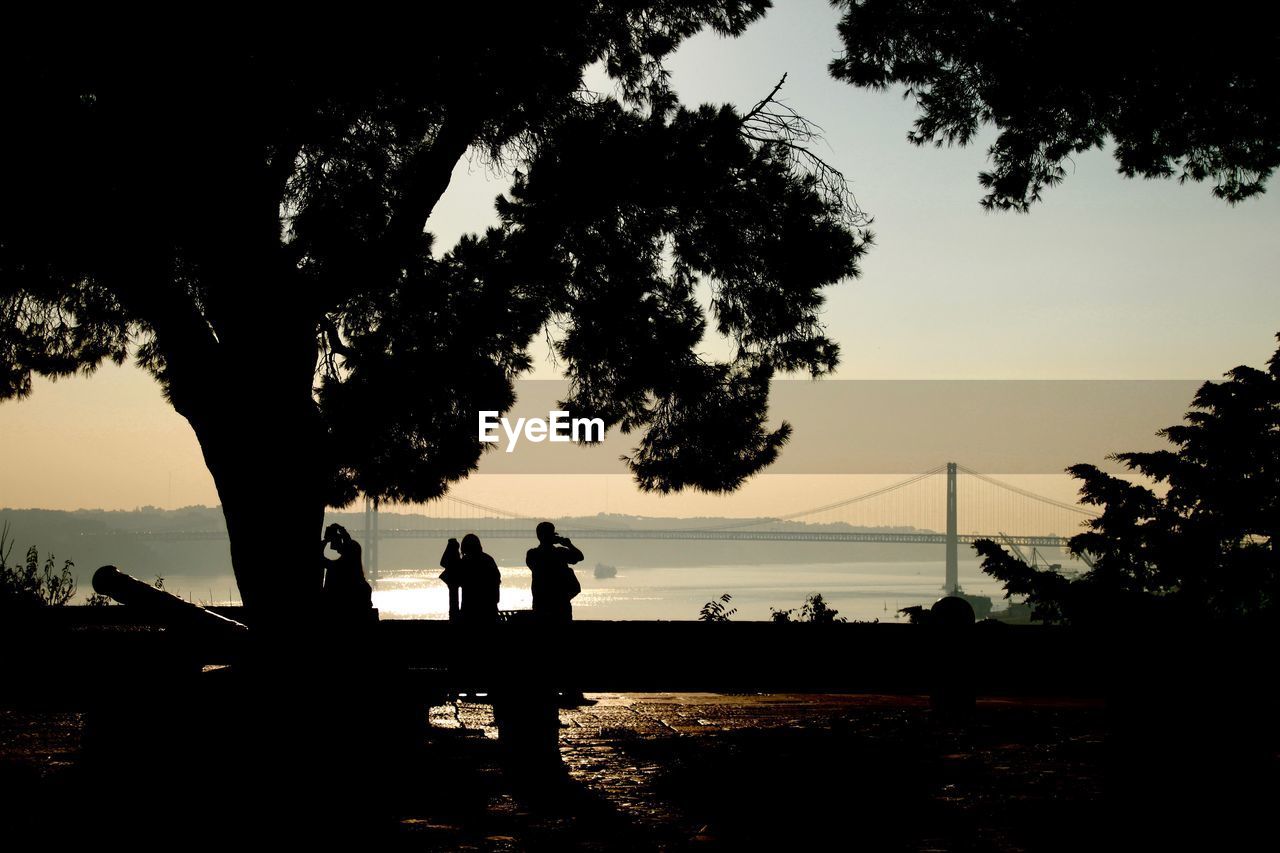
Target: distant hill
[{"x": 92, "y": 538}]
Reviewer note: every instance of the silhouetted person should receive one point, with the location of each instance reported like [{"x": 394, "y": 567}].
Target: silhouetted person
[
  {"x": 554, "y": 583},
  {"x": 554, "y": 586},
  {"x": 473, "y": 573},
  {"x": 347, "y": 596}
]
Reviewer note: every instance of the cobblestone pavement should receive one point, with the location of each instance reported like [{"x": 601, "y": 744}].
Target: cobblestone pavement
[
  {"x": 714, "y": 771},
  {"x": 700, "y": 769},
  {"x": 674, "y": 771}
]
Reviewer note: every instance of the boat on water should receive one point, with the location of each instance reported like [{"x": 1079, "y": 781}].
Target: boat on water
[{"x": 604, "y": 570}]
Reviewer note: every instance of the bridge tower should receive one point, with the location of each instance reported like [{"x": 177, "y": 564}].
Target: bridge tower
[
  {"x": 952, "y": 584},
  {"x": 371, "y": 538}
]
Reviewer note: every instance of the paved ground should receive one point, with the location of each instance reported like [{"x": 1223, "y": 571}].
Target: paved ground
[
  {"x": 705, "y": 771},
  {"x": 669, "y": 771}
]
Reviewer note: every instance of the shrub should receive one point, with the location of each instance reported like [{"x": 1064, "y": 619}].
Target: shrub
[
  {"x": 31, "y": 584},
  {"x": 718, "y": 609}
]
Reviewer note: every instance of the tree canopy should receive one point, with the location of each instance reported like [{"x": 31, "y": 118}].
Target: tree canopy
[
  {"x": 1207, "y": 548},
  {"x": 687, "y": 199},
  {"x": 1177, "y": 98},
  {"x": 242, "y": 211}
]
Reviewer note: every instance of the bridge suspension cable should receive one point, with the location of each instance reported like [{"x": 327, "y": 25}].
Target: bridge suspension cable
[
  {"x": 1076, "y": 508},
  {"x": 875, "y": 493},
  {"x": 915, "y": 504}
]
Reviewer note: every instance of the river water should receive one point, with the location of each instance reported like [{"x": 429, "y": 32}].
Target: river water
[{"x": 861, "y": 590}]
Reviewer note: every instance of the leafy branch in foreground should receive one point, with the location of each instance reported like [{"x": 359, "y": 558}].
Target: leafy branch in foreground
[
  {"x": 718, "y": 609},
  {"x": 1055, "y": 80},
  {"x": 30, "y": 584}
]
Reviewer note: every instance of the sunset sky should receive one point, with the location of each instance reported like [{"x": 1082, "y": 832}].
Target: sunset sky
[{"x": 1106, "y": 279}]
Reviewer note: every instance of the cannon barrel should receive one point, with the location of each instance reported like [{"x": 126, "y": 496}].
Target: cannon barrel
[{"x": 171, "y": 610}]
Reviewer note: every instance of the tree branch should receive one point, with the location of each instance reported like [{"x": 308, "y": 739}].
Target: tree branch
[
  {"x": 424, "y": 179},
  {"x": 771, "y": 122}
]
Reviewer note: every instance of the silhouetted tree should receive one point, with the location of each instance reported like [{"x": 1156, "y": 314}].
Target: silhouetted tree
[
  {"x": 1205, "y": 549},
  {"x": 1176, "y": 94},
  {"x": 244, "y": 215}
]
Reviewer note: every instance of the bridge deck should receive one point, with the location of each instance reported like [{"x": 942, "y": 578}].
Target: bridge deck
[{"x": 442, "y": 533}]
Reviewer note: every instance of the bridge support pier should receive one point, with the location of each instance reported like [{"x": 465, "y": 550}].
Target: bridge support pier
[
  {"x": 371, "y": 537},
  {"x": 951, "y": 585}
]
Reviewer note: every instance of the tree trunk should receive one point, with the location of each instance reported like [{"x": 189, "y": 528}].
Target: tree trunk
[{"x": 264, "y": 444}]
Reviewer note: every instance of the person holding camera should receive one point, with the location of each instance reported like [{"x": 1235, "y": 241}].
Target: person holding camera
[
  {"x": 554, "y": 583},
  {"x": 554, "y": 587}
]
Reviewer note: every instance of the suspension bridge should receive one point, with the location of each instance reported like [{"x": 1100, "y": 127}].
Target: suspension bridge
[
  {"x": 929, "y": 508},
  {"x": 949, "y": 505}
]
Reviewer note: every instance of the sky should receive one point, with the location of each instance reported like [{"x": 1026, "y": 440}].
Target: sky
[{"x": 1107, "y": 278}]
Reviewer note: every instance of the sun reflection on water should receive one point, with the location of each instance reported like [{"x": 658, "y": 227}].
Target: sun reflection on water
[
  {"x": 420, "y": 594},
  {"x": 859, "y": 590}
]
